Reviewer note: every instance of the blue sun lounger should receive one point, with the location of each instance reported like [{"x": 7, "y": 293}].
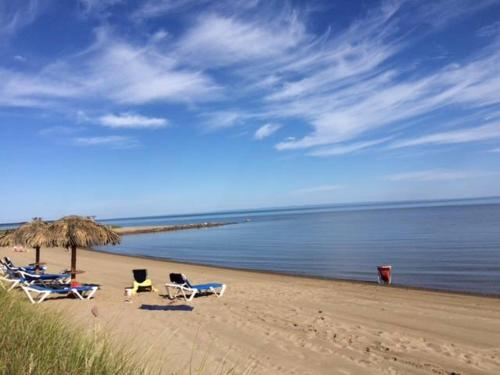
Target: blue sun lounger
[
  {"x": 18, "y": 278},
  {"x": 8, "y": 264},
  {"x": 83, "y": 292},
  {"x": 46, "y": 278},
  {"x": 180, "y": 283},
  {"x": 12, "y": 278}
]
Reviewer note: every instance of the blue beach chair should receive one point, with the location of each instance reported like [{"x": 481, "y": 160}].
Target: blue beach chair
[
  {"x": 180, "y": 283},
  {"x": 12, "y": 278},
  {"x": 83, "y": 292},
  {"x": 47, "y": 278},
  {"x": 18, "y": 278},
  {"x": 7, "y": 263}
]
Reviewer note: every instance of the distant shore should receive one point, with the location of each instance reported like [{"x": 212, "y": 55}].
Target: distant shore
[
  {"x": 166, "y": 228},
  {"x": 157, "y": 228}
]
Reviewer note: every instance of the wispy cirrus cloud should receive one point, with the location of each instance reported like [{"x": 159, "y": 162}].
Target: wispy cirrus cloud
[
  {"x": 149, "y": 9},
  {"x": 344, "y": 149},
  {"x": 157, "y": 8},
  {"x": 354, "y": 110},
  {"x": 217, "y": 120},
  {"x": 475, "y": 134},
  {"x": 489, "y": 30},
  {"x": 266, "y": 131},
  {"x": 132, "y": 121},
  {"x": 111, "y": 141},
  {"x": 95, "y": 6},
  {"x": 220, "y": 40},
  {"x": 20, "y": 58},
  {"x": 350, "y": 89},
  {"x": 110, "y": 69},
  {"x": 14, "y": 15},
  {"x": 342, "y": 84},
  {"x": 436, "y": 175}
]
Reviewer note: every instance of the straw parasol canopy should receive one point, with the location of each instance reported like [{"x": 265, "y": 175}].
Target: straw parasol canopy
[
  {"x": 73, "y": 232},
  {"x": 34, "y": 234}
]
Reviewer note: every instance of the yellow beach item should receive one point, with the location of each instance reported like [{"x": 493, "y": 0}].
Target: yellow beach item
[{"x": 141, "y": 282}]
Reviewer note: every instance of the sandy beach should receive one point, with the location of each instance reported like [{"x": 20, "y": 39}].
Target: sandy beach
[{"x": 275, "y": 324}]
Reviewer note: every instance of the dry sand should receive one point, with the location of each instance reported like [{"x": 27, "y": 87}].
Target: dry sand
[{"x": 273, "y": 324}]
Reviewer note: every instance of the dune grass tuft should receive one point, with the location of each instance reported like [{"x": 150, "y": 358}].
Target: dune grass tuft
[{"x": 33, "y": 341}]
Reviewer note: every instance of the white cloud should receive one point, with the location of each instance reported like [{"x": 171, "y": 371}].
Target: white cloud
[
  {"x": 20, "y": 58},
  {"x": 495, "y": 150},
  {"x": 346, "y": 148},
  {"x": 97, "y": 6},
  {"x": 38, "y": 90},
  {"x": 436, "y": 175},
  {"x": 480, "y": 133},
  {"x": 266, "y": 130},
  {"x": 110, "y": 69},
  {"x": 492, "y": 29},
  {"x": 223, "y": 119},
  {"x": 219, "y": 40},
  {"x": 132, "y": 121},
  {"x": 317, "y": 189},
  {"x": 136, "y": 75},
  {"x": 15, "y": 15},
  {"x": 353, "y": 110},
  {"x": 345, "y": 88},
  {"x": 341, "y": 83},
  {"x": 112, "y": 141},
  {"x": 158, "y": 8}
]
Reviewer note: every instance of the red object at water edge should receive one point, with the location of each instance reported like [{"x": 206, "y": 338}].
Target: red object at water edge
[{"x": 384, "y": 274}]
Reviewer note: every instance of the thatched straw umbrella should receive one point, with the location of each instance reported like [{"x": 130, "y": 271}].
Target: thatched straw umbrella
[
  {"x": 73, "y": 232},
  {"x": 34, "y": 234}
]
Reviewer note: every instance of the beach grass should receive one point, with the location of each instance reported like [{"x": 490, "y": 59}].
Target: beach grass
[{"x": 35, "y": 341}]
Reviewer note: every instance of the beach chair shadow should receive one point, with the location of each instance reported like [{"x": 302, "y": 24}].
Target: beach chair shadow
[
  {"x": 166, "y": 307},
  {"x": 180, "y": 297}
]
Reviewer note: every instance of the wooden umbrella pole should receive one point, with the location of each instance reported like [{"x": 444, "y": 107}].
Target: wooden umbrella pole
[
  {"x": 73, "y": 263},
  {"x": 37, "y": 259}
]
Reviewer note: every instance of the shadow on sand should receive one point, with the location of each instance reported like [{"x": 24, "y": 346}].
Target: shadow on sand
[{"x": 166, "y": 307}]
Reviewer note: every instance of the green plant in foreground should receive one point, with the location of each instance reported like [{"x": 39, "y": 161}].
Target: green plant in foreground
[{"x": 33, "y": 341}]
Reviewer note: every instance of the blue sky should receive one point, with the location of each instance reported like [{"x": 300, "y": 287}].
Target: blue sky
[{"x": 122, "y": 108}]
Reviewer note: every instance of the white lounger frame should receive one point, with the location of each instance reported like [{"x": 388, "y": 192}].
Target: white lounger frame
[
  {"x": 34, "y": 277},
  {"x": 183, "y": 289},
  {"x": 13, "y": 282},
  {"x": 45, "y": 293}
]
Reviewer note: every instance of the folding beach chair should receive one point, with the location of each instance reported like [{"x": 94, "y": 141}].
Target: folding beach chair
[
  {"x": 7, "y": 262},
  {"x": 181, "y": 284},
  {"x": 141, "y": 282},
  {"x": 83, "y": 292},
  {"x": 47, "y": 278},
  {"x": 11, "y": 278}
]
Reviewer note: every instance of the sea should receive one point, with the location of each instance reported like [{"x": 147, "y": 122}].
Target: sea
[{"x": 451, "y": 245}]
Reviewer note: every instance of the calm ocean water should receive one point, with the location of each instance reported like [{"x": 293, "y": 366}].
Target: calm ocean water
[{"x": 453, "y": 245}]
